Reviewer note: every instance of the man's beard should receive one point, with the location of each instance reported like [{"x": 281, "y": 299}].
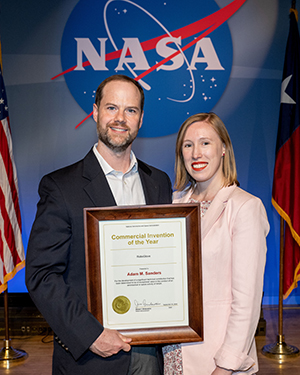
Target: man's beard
[{"x": 117, "y": 146}]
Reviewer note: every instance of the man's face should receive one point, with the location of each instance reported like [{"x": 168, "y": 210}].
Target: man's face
[{"x": 119, "y": 116}]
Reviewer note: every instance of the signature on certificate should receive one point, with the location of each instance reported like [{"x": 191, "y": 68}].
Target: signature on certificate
[{"x": 144, "y": 303}]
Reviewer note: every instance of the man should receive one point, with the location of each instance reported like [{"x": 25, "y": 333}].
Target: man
[{"x": 109, "y": 175}]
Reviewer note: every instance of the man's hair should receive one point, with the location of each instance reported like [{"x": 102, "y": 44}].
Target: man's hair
[{"x": 118, "y": 77}]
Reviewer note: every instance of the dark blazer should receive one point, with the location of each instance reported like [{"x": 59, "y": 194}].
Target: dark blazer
[{"x": 55, "y": 264}]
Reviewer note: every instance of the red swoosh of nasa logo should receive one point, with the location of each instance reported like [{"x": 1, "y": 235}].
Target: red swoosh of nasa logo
[{"x": 208, "y": 24}]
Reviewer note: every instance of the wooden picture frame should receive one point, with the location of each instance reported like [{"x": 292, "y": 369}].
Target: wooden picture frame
[{"x": 189, "y": 214}]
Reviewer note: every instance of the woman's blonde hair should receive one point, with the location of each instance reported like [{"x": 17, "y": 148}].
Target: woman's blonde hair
[{"x": 182, "y": 177}]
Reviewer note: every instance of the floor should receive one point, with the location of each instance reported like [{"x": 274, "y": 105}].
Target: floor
[
  {"x": 291, "y": 331},
  {"x": 39, "y": 348}
]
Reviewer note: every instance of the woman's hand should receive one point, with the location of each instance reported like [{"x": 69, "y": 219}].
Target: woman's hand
[{"x": 221, "y": 371}]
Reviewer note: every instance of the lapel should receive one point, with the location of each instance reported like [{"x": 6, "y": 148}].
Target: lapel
[
  {"x": 216, "y": 208},
  {"x": 97, "y": 187},
  {"x": 151, "y": 189}
]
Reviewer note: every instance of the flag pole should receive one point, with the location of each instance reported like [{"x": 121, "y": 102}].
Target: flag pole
[
  {"x": 9, "y": 355},
  {"x": 280, "y": 350}
]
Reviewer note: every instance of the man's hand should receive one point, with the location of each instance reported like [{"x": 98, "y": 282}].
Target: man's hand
[{"x": 110, "y": 342}]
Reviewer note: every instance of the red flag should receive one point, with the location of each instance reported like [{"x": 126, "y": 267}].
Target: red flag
[
  {"x": 286, "y": 183},
  {"x": 12, "y": 257}
]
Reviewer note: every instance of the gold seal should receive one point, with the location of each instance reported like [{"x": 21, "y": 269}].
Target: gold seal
[{"x": 121, "y": 305}]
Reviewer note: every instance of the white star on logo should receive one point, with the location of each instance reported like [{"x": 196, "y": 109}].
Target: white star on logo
[{"x": 285, "y": 98}]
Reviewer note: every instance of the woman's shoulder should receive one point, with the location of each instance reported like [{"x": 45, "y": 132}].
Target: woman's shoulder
[
  {"x": 236, "y": 198},
  {"x": 181, "y": 196},
  {"x": 239, "y": 199},
  {"x": 242, "y": 195}
]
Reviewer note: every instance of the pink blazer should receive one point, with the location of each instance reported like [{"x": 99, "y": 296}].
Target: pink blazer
[{"x": 233, "y": 232}]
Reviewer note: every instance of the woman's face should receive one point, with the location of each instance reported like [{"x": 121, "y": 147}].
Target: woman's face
[{"x": 202, "y": 151}]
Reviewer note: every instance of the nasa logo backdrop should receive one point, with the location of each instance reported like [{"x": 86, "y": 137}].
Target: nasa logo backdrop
[{"x": 181, "y": 53}]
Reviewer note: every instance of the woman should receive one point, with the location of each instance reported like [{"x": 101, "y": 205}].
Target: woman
[{"x": 234, "y": 227}]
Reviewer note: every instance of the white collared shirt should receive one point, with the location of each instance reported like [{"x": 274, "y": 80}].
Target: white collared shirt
[{"x": 126, "y": 187}]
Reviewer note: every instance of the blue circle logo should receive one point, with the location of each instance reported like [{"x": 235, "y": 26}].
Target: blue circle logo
[{"x": 181, "y": 53}]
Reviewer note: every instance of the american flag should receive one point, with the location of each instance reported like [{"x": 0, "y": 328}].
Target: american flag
[{"x": 12, "y": 257}]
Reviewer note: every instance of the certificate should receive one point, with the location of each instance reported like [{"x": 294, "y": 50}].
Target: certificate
[{"x": 144, "y": 271}]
